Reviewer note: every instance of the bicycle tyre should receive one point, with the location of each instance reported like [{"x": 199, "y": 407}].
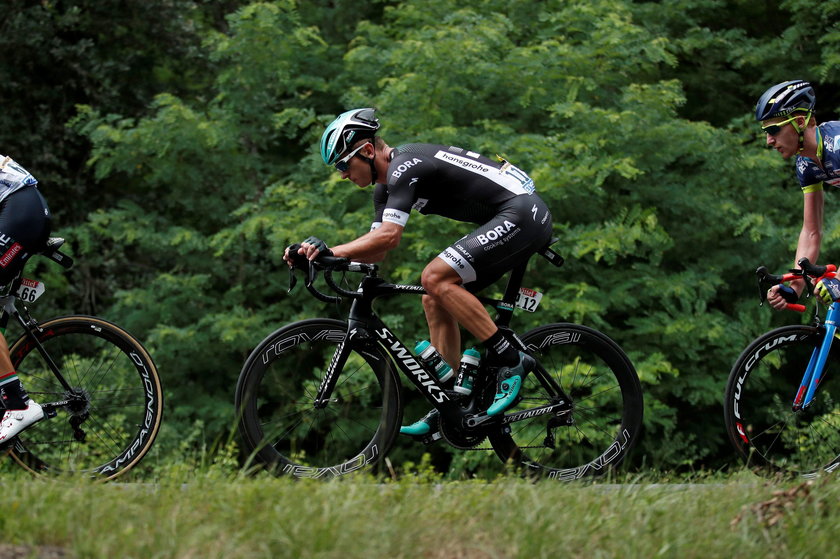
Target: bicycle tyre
[
  {"x": 760, "y": 421},
  {"x": 282, "y": 428},
  {"x": 606, "y": 414},
  {"x": 122, "y": 395}
]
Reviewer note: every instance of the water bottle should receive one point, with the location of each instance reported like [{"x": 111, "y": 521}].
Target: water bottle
[
  {"x": 467, "y": 372},
  {"x": 434, "y": 360}
]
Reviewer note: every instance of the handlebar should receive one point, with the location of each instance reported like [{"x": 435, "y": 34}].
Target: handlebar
[
  {"x": 806, "y": 271},
  {"x": 328, "y": 265}
]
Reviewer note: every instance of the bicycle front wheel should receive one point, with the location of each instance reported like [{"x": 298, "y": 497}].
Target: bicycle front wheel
[
  {"x": 760, "y": 420},
  {"x": 107, "y": 420},
  {"x": 604, "y": 400},
  {"x": 283, "y": 426}
]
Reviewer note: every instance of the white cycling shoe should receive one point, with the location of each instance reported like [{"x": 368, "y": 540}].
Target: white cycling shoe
[{"x": 15, "y": 421}]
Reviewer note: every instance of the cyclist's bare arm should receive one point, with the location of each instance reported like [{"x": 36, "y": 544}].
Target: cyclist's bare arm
[
  {"x": 373, "y": 246},
  {"x": 810, "y": 237},
  {"x": 808, "y": 246},
  {"x": 369, "y": 248}
]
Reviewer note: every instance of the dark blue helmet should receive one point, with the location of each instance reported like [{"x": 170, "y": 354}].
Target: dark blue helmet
[{"x": 784, "y": 98}]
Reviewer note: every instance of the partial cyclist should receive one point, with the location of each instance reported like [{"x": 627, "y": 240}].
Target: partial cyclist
[
  {"x": 786, "y": 114},
  {"x": 513, "y": 223},
  {"x": 25, "y": 224}
]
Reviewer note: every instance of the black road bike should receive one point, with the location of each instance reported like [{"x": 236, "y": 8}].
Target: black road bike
[
  {"x": 322, "y": 397},
  {"x": 98, "y": 386}
]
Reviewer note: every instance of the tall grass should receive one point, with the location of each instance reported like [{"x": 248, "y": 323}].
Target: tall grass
[{"x": 212, "y": 514}]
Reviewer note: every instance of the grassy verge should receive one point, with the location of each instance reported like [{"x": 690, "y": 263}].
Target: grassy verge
[{"x": 212, "y": 515}]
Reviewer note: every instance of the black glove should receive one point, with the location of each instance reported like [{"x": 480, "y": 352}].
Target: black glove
[
  {"x": 320, "y": 245},
  {"x": 788, "y": 293}
]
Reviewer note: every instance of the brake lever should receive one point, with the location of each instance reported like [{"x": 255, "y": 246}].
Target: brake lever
[
  {"x": 760, "y": 273},
  {"x": 311, "y": 273},
  {"x": 292, "y": 279},
  {"x": 809, "y": 287}
]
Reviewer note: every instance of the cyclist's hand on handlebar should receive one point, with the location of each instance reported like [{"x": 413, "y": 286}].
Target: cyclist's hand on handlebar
[
  {"x": 828, "y": 290},
  {"x": 313, "y": 247},
  {"x": 779, "y": 296},
  {"x": 308, "y": 249},
  {"x": 292, "y": 256}
]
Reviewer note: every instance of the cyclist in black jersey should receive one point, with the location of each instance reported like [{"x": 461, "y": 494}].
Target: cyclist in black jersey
[
  {"x": 512, "y": 222},
  {"x": 25, "y": 224},
  {"x": 786, "y": 114}
]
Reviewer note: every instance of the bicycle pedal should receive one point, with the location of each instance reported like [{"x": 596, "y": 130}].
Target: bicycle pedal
[
  {"x": 432, "y": 438},
  {"x": 50, "y": 413},
  {"x": 428, "y": 438}
]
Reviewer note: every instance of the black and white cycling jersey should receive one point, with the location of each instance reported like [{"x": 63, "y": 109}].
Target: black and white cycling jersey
[{"x": 465, "y": 186}]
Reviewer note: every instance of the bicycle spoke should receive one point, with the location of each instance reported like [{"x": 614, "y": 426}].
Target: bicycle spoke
[
  {"x": 605, "y": 398},
  {"x": 779, "y": 439},
  {"x": 280, "y": 393},
  {"x": 115, "y": 391}
]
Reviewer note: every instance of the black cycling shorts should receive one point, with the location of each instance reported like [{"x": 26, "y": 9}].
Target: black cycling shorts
[
  {"x": 520, "y": 229},
  {"x": 25, "y": 225}
]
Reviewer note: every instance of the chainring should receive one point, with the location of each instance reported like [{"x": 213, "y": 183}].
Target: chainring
[{"x": 459, "y": 436}]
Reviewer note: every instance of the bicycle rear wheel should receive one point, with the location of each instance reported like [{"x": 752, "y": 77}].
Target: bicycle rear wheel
[
  {"x": 279, "y": 422},
  {"x": 758, "y": 410},
  {"x": 115, "y": 399},
  {"x": 606, "y": 406}
]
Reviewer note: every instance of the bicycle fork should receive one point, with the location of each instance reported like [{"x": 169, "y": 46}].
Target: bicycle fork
[
  {"x": 325, "y": 390},
  {"x": 816, "y": 365}
]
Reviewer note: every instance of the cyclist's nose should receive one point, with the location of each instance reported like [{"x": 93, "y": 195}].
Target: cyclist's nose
[{"x": 770, "y": 140}]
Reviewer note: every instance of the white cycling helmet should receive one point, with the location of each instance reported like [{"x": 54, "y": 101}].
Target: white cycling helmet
[{"x": 344, "y": 131}]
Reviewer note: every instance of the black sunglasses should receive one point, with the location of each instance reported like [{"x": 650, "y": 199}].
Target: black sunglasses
[{"x": 774, "y": 129}]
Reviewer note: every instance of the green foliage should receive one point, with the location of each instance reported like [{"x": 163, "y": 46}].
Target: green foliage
[
  {"x": 180, "y": 154},
  {"x": 111, "y": 54}
]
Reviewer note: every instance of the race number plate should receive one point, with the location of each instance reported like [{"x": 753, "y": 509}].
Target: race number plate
[
  {"x": 30, "y": 290},
  {"x": 528, "y": 299}
]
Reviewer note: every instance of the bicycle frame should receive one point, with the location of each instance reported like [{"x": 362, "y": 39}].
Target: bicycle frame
[
  {"x": 813, "y": 372},
  {"x": 8, "y": 308},
  {"x": 365, "y": 326}
]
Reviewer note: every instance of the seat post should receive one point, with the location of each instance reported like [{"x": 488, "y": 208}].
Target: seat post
[
  {"x": 504, "y": 312},
  {"x": 514, "y": 282}
]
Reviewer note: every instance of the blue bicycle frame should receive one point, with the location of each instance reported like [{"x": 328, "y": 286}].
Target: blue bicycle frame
[{"x": 816, "y": 365}]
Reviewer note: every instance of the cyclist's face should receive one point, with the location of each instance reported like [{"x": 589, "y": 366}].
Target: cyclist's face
[
  {"x": 785, "y": 139},
  {"x": 358, "y": 170}
]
